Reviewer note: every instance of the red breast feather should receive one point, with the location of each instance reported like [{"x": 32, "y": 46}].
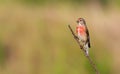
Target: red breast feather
[{"x": 80, "y": 30}]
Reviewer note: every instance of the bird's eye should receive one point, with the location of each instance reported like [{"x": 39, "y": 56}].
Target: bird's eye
[{"x": 80, "y": 19}]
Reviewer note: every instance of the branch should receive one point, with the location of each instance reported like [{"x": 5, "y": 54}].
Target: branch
[{"x": 81, "y": 47}]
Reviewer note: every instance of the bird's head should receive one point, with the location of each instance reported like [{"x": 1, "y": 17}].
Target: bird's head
[{"x": 81, "y": 21}]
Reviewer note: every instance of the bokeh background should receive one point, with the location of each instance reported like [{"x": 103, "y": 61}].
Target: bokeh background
[{"x": 35, "y": 39}]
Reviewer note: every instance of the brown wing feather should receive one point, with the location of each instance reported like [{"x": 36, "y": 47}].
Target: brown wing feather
[{"x": 88, "y": 38}]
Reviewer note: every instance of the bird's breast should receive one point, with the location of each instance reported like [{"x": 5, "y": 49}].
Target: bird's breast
[{"x": 81, "y": 30}]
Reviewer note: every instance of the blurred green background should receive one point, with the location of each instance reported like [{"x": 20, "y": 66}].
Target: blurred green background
[{"x": 35, "y": 39}]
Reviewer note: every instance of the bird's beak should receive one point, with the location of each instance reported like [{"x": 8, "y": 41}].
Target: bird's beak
[{"x": 77, "y": 21}]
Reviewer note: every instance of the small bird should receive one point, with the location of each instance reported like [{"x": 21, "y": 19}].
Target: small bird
[{"x": 83, "y": 34}]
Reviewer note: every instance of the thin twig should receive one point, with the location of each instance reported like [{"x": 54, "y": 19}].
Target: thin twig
[{"x": 81, "y": 47}]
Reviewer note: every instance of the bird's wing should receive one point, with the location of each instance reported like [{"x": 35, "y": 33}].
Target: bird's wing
[{"x": 88, "y": 37}]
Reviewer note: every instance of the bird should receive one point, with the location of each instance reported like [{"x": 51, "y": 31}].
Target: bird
[{"x": 83, "y": 34}]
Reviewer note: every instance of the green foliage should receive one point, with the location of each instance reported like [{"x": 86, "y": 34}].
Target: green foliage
[
  {"x": 33, "y": 1},
  {"x": 104, "y": 3},
  {"x": 117, "y": 2},
  {"x": 2, "y": 54}
]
